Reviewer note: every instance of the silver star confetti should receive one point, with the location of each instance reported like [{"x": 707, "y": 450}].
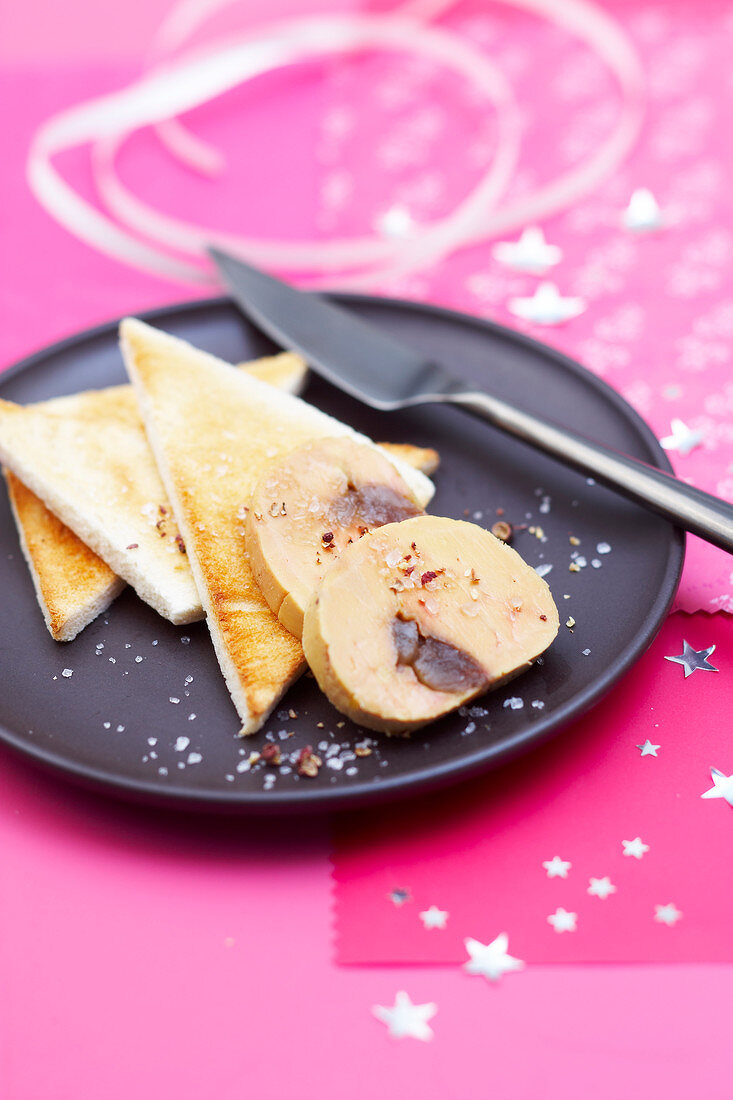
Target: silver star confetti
[
  {"x": 405, "y": 1019},
  {"x": 667, "y": 914},
  {"x": 642, "y": 215},
  {"x": 601, "y": 887},
  {"x": 647, "y": 749},
  {"x": 692, "y": 659},
  {"x": 491, "y": 959},
  {"x": 562, "y": 921},
  {"x": 531, "y": 253},
  {"x": 722, "y": 786},
  {"x": 395, "y": 222},
  {"x": 399, "y": 896},
  {"x": 682, "y": 438},
  {"x": 434, "y": 917},
  {"x": 635, "y": 847},
  {"x": 546, "y": 306},
  {"x": 556, "y": 867}
]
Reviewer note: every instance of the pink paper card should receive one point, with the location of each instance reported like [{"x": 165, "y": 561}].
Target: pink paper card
[{"x": 604, "y": 823}]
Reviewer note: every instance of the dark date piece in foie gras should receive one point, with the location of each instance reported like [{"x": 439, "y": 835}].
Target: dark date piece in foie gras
[
  {"x": 418, "y": 617},
  {"x": 308, "y": 507}
]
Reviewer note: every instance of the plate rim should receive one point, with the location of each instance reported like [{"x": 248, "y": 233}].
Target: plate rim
[{"x": 328, "y": 799}]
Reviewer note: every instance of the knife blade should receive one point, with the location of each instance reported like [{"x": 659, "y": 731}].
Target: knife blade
[{"x": 371, "y": 366}]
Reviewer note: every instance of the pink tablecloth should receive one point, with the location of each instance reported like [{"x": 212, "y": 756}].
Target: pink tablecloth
[{"x": 144, "y": 954}]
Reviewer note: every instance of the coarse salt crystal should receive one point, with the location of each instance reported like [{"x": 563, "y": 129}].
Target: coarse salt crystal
[
  {"x": 182, "y": 744},
  {"x": 543, "y": 569},
  {"x": 393, "y": 557},
  {"x": 515, "y": 703},
  {"x": 67, "y": 672},
  {"x": 152, "y": 741},
  {"x": 173, "y": 699},
  {"x": 603, "y": 548},
  {"x": 194, "y": 758}
]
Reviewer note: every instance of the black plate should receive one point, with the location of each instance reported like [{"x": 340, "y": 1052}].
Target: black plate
[{"x": 95, "y": 725}]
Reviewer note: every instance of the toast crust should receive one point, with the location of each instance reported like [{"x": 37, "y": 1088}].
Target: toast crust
[
  {"x": 160, "y": 573},
  {"x": 73, "y": 585}
]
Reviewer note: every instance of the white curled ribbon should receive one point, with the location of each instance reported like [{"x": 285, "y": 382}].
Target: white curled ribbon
[{"x": 174, "y": 86}]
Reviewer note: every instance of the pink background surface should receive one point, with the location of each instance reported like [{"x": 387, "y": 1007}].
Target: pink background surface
[
  {"x": 143, "y": 954},
  {"x": 478, "y": 852}
]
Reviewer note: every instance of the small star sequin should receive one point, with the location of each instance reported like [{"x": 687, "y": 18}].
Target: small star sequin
[
  {"x": 647, "y": 749},
  {"x": 531, "y": 253},
  {"x": 491, "y": 959},
  {"x": 434, "y": 917},
  {"x": 562, "y": 921},
  {"x": 722, "y": 786},
  {"x": 692, "y": 659},
  {"x": 399, "y": 896},
  {"x": 556, "y": 867},
  {"x": 635, "y": 847},
  {"x": 667, "y": 914},
  {"x": 405, "y": 1019},
  {"x": 643, "y": 214},
  {"x": 601, "y": 887},
  {"x": 395, "y": 222},
  {"x": 682, "y": 439},
  {"x": 546, "y": 306}
]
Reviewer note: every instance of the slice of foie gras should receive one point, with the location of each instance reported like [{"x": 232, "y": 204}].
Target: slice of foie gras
[
  {"x": 310, "y": 505},
  {"x": 418, "y": 617}
]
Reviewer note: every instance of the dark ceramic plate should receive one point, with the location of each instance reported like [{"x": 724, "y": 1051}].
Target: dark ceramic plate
[{"x": 112, "y": 724}]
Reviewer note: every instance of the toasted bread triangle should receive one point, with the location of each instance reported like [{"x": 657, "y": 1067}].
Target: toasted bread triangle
[
  {"x": 62, "y": 446},
  {"x": 213, "y": 431},
  {"x": 73, "y": 585}
]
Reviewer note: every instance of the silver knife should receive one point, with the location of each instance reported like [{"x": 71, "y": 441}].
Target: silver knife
[{"x": 381, "y": 372}]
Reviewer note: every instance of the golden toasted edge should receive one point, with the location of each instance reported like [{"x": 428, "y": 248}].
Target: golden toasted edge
[
  {"x": 135, "y": 338},
  {"x": 425, "y": 459},
  {"x": 286, "y": 370},
  {"x": 49, "y": 570}
]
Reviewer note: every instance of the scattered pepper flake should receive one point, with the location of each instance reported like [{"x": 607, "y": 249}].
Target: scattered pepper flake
[
  {"x": 502, "y": 530},
  {"x": 271, "y": 754},
  {"x": 574, "y": 540},
  {"x": 327, "y": 536},
  {"x": 133, "y": 546},
  {"x": 308, "y": 762}
]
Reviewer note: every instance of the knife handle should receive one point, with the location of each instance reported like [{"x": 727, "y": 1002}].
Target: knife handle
[{"x": 685, "y": 506}]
